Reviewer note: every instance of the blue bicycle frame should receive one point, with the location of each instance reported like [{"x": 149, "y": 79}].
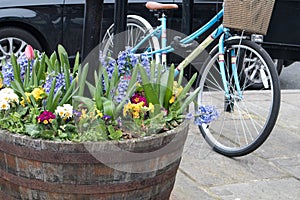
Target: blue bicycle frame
[{"x": 160, "y": 31}]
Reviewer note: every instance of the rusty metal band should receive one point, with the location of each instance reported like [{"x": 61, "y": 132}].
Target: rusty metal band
[{"x": 89, "y": 189}]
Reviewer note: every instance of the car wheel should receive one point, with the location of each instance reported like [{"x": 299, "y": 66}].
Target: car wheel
[{"x": 14, "y": 40}]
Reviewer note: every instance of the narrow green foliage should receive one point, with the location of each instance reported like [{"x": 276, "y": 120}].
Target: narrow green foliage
[
  {"x": 51, "y": 96},
  {"x": 187, "y": 88},
  {"x": 76, "y": 63},
  {"x": 81, "y": 78},
  {"x": 180, "y": 77},
  {"x": 150, "y": 94},
  {"x": 187, "y": 102},
  {"x": 16, "y": 69},
  {"x": 169, "y": 87},
  {"x": 98, "y": 96}
]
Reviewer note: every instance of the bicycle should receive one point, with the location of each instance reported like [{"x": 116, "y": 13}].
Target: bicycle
[{"x": 246, "y": 116}]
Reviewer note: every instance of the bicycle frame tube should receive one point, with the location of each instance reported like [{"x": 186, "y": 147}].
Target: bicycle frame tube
[
  {"x": 203, "y": 29},
  {"x": 163, "y": 20},
  {"x": 233, "y": 66},
  {"x": 190, "y": 38},
  {"x": 216, "y": 33}
]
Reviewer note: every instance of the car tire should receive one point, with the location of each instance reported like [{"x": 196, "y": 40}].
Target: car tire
[{"x": 14, "y": 40}]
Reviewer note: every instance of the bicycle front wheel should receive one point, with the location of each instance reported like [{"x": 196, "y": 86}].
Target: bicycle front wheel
[{"x": 246, "y": 118}]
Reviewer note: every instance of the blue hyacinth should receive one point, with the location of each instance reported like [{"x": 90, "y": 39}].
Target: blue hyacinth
[
  {"x": 22, "y": 60},
  {"x": 126, "y": 61},
  {"x": 60, "y": 82},
  {"x": 206, "y": 114}
]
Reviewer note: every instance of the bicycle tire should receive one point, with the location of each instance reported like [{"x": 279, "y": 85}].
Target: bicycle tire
[
  {"x": 137, "y": 28},
  {"x": 245, "y": 127}
]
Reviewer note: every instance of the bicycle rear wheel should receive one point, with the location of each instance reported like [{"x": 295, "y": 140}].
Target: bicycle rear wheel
[
  {"x": 137, "y": 29},
  {"x": 244, "y": 123}
]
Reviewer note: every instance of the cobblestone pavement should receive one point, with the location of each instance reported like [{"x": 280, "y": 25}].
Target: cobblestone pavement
[{"x": 271, "y": 172}]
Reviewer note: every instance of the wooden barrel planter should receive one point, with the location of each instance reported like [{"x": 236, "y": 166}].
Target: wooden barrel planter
[{"x": 133, "y": 169}]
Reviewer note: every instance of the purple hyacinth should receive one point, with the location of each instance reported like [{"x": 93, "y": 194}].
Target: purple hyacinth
[
  {"x": 60, "y": 82},
  {"x": 206, "y": 114},
  {"x": 122, "y": 88},
  {"x": 22, "y": 60}
]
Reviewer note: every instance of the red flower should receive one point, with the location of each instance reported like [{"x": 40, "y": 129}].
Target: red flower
[
  {"x": 29, "y": 52},
  {"x": 46, "y": 117},
  {"x": 137, "y": 98}
]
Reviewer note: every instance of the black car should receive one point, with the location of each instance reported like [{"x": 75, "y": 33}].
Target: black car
[{"x": 46, "y": 23}]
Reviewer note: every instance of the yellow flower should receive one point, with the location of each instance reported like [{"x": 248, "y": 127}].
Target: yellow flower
[
  {"x": 1, "y": 83},
  {"x": 151, "y": 107},
  {"x": 45, "y": 121},
  {"x": 83, "y": 114},
  {"x": 136, "y": 115},
  {"x": 27, "y": 99},
  {"x": 172, "y": 99},
  {"x": 126, "y": 109},
  {"x": 177, "y": 89},
  {"x": 38, "y": 93},
  {"x": 99, "y": 113}
]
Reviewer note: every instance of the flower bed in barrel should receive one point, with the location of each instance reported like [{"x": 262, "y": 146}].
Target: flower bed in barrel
[{"x": 123, "y": 140}]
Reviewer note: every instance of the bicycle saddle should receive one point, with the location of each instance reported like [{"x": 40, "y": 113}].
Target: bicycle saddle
[{"x": 151, "y": 5}]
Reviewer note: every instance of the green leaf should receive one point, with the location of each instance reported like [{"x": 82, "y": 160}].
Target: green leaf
[
  {"x": 109, "y": 108},
  {"x": 63, "y": 57},
  {"x": 98, "y": 96},
  {"x": 149, "y": 90},
  {"x": 42, "y": 68},
  {"x": 76, "y": 63},
  {"x": 169, "y": 89},
  {"x": 32, "y": 130},
  {"x": 114, "y": 134},
  {"x": 68, "y": 94},
  {"x": 187, "y": 102},
  {"x": 16, "y": 69},
  {"x": 87, "y": 101},
  {"x": 82, "y": 74},
  {"x": 91, "y": 88},
  {"x": 187, "y": 88},
  {"x": 51, "y": 95},
  {"x": 180, "y": 77},
  {"x": 66, "y": 72}
]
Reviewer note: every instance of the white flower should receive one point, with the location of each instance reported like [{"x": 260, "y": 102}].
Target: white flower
[
  {"x": 4, "y": 105},
  {"x": 8, "y": 95},
  {"x": 65, "y": 111}
]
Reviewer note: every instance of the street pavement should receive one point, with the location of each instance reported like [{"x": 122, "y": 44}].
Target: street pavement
[{"x": 271, "y": 172}]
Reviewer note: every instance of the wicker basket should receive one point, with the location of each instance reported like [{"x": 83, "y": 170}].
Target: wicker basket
[{"x": 253, "y": 16}]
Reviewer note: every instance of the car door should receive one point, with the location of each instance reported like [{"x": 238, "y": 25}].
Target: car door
[{"x": 29, "y": 22}]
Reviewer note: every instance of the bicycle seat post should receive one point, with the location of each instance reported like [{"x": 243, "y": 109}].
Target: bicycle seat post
[{"x": 160, "y": 8}]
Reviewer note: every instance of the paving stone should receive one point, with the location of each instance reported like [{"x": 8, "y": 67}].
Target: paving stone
[
  {"x": 279, "y": 189},
  {"x": 186, "y": 188},
  {"x": 271, "y": 172},
  {"x": 281, "y": 143},
  {"x": 291, "y": 165}
]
